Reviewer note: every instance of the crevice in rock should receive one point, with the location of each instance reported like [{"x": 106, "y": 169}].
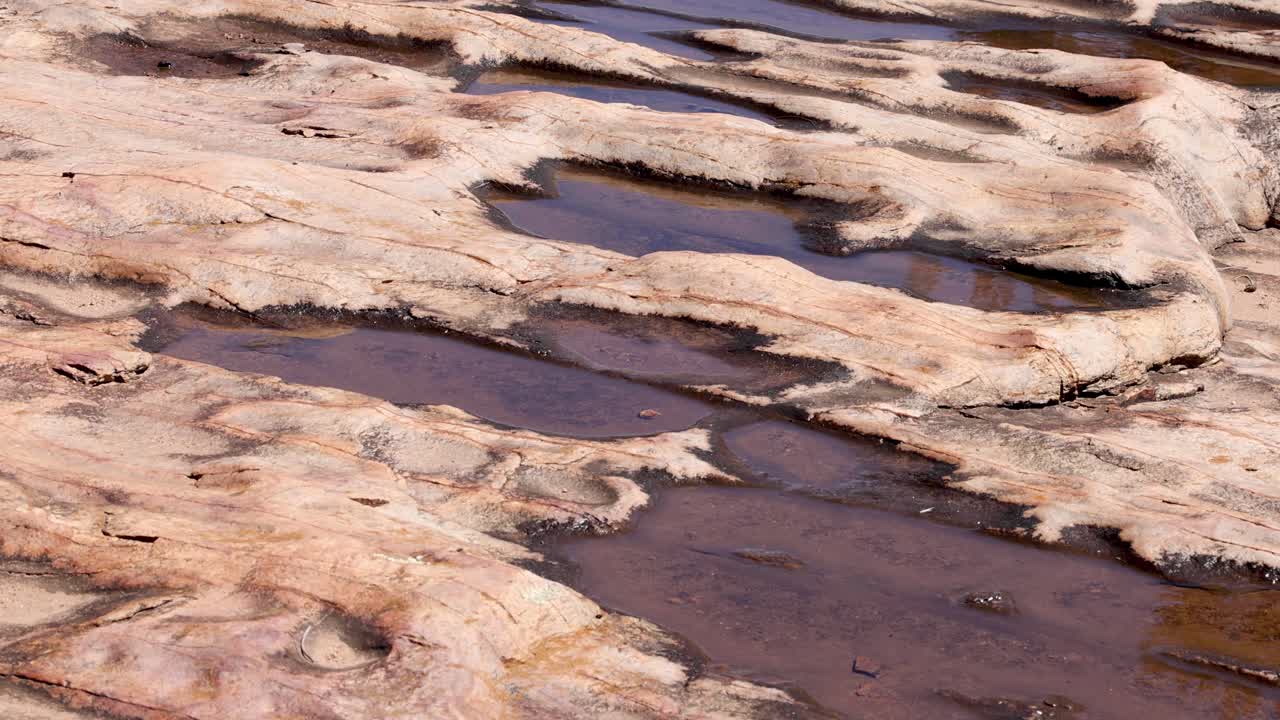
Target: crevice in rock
[{"x": 1049, "y": 97}]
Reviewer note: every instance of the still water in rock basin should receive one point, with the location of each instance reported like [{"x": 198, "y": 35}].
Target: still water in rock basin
[
  {"x": 855, "y": 575},
  {"x": 423, "y": 368},
  {"x": 505, "y": 80},
  {"x": 852, "y": 574},
  {"x": 637, "y": 217},
  {"x": 1049, "y": 98},
  {"x": 657, "y": 28}
]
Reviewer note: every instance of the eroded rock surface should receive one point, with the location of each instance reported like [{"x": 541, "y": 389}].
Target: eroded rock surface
[
  {"x": 274, "y": 550},
  {"x": 279, "y": 550}
]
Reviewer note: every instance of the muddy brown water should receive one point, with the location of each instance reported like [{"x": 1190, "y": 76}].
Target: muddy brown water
[
  {"x": 886, "y": 595},
  {"x": 225, "y": 47},
  {"x": 606, "y": 91},
  {"x": 1204, "y": 13},
  {"x": 1193, "y": 60},
  {"x": 831, "y": 466},
  {"x": 129, "y": 56},
  {"x": 427, "y": 368},
  {"x": 878, "y": 614},
  {"x": 617, "y": 212},
  {"x": 667, "y": 16},
  {"x": 793, "y": 18}
]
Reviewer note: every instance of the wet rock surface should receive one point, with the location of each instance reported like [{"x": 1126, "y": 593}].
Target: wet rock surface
[
  {"x": 885, "y": 588},
  {"x": 1050, "y": 326},
  {"x": 409, "y": 367}
]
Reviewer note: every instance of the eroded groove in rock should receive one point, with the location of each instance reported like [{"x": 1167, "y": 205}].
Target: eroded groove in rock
[
  {"x": 515, "y": 80},
  {"x": 1224, "y": 67},
  {"x": 644, "y": 28},
  {"x": 614, "y": 212}
]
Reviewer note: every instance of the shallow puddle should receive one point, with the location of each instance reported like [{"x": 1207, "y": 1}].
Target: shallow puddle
[
  {"x": 879, "y": 615},
  {"x": 1219, "y": 17},
  {"x": 834, "y": 579},
  {"x": 1192, "y": 60},
  {"x": 127, "y": 56},
  {"x": 422, "y": 368},
  {"x": 33, "y": 594},
  {"x": 669, "y": 351},
  {"x": 797, "y": 19},
  {"x": 665, "y": 16},
  {"x": 1042, "y": 96},
  {"x": 607, "y": 91},
  {"x": 637, "y": 217}
]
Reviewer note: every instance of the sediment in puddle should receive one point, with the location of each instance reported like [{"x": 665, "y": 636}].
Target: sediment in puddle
[
  {"x": 1042, "y": 96},
  {"x": 836, "y": 579},
  {"x": 669, "y": 351},
  {"x": 635, "y": 26},
  {"x": 634, "y": 216}
]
